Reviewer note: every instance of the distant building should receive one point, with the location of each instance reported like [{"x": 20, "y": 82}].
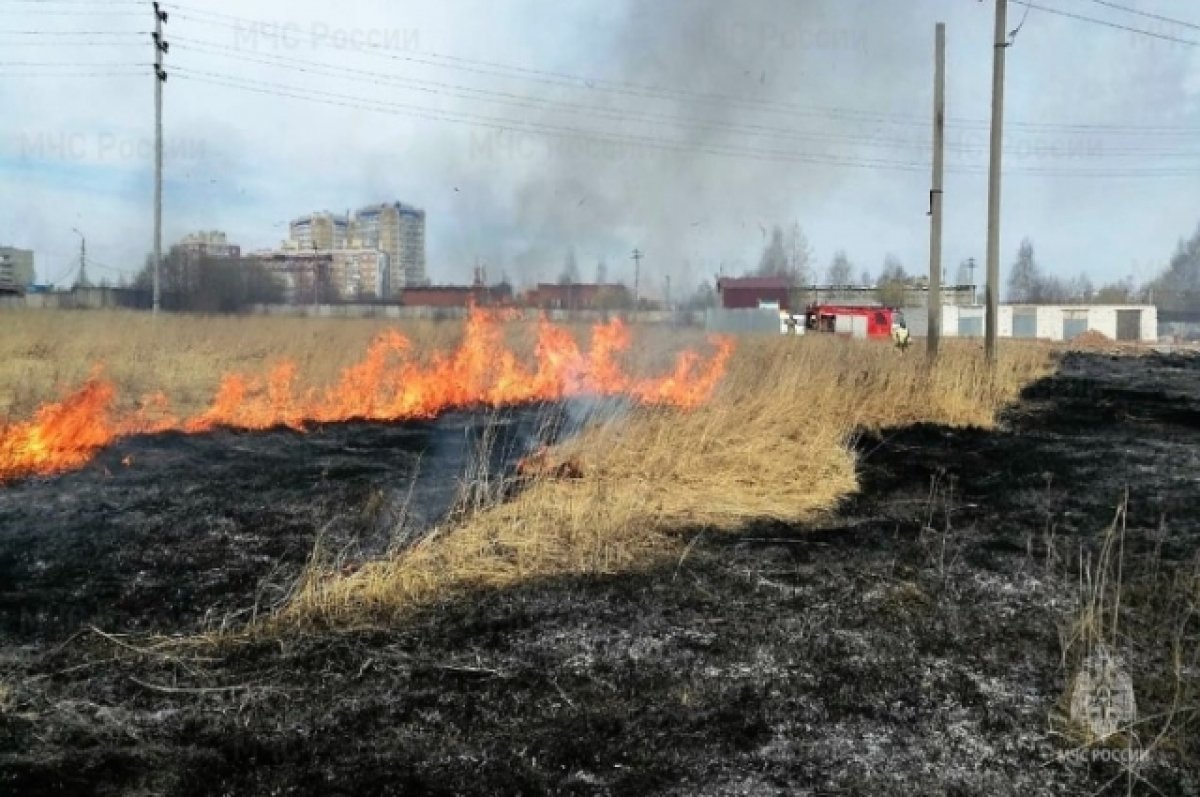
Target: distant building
[
  {"x": 743, "y": 293},
  {"x": 456, "y": 296},
  {"x": 914, "y": 295},
  {"x": 323, "y": 275},
  {"x": 304, "y": 274},
  {"x": 359, "y": 274},
  {"x": 395, "y": 229},
  {"x": 207, "y": 243},
  {"x": 579, "y": 296},
  {"x": 16, "y": 267},
  {"x": 322, "y": 231},
  {"x": 747, "y": 293},
  {"x": 399, "y": 230}
]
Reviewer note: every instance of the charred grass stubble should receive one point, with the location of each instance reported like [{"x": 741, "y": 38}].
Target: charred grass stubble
[{"x": 775, "y": 442}]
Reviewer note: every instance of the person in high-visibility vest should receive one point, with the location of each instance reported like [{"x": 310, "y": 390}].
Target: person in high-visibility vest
[{"x": 900, "y": 335}]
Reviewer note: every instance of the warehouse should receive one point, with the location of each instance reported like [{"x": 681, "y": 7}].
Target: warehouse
[{"x": 1045, "y": 321}]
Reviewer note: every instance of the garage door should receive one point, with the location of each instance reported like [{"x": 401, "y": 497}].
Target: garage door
[
  {"x": 1025, "y": 325},
  {"x": 1075, "y": 323},
  {"x": 970, "y": 326},
  {"x": 1129, "y": 324}
]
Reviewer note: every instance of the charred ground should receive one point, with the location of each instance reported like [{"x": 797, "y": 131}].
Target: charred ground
[{"x": 910, "y": 644}]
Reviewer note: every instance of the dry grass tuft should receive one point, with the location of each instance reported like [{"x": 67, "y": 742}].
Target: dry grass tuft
[{"x": 774, "y": 443}]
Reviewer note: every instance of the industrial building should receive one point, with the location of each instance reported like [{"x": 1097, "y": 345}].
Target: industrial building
[
  {"x": 327, "y": 275},
  {"x": 743, "y": 293},
  {"x": 578, "y": 296},
  {"x": 1124, "y": 323},
  {"x": 751, "y": 292},
  {"x": 16, "y": 268},
  {"x": 457, "y": 296}
]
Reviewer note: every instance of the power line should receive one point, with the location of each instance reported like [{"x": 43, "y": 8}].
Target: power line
[
  {"x": 1106, "y": 23},
  {"x": 44, "y": 43},
  {"x": 579, "y": 82},
  {"x": 72, "y": 33},
  {"x": 1147, "y": 14},
  {"x": 563, "y": 80},
  {"x": 67, "y": 63},
  {"x": 522, "y": 126},
  {"x": 508, "y": 98},
  {"x": 304, "y": 65},
  {"x": 40, "y": 74},
  {"x": 519, "y": 100}
]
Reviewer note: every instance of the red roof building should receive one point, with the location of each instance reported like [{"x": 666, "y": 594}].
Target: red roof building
[
  {"x": 753, "y": 292},
  {"x": 579, "y": 296},
  {"x": 456, "y": 296}
]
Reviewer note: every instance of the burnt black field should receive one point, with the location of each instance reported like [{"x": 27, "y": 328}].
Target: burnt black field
[{"x": 908, "y": 644}]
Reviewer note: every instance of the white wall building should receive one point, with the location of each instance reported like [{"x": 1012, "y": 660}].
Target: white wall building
[{"x": 1046, "y": 322}]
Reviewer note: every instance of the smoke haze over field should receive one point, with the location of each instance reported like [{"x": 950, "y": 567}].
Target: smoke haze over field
[{"x": 686, "y": 128}]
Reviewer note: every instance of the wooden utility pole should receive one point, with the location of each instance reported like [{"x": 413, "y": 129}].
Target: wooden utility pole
[
  {"x": 935, "y": 193},
  {"x": 992, "y": 289},
  {"x": 160, "y": 77}
]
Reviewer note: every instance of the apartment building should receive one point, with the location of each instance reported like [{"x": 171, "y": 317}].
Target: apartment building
[
  {"x": 399, "y": 230},
  {"x": 319, "y": 231},
  {"x": 16, "y": 266}
]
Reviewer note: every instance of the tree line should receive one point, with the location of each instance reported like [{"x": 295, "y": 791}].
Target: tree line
[
  {"x": 1177, "y": 287},
  {"x": 211, "y": 284}
]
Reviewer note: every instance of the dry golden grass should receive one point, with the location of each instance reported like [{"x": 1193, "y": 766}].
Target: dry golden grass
[
  {"x": 43, "y": 353},
  {"x": 774, "y": 443}
]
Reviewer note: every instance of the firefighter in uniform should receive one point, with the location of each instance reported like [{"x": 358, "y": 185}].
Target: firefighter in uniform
[{"x": 900, "y": 335}]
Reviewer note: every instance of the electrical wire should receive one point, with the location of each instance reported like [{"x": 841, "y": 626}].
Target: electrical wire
[
  {"x": 564, "y": 80},
  {"x": 519, "y": 100},
  {"x": 1106, "y": 23},
  {"x": 435, "y": 88},
  {"x": 476, "y": 120},
  {"x": 508, "y": 98},
  {"x": 1147, "y": 14},
  {"x": 579, "y": 82},
  {"x": 72, "y": 33},
  {"x": 74, "y": 74},
  {"x": 522, "y": 126}
]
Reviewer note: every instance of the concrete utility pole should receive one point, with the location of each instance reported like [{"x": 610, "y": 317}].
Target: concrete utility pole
[
  {"x": 992, "y": 290},
  {"x": 637, "y": 276},
  {"x": 82, "y": 281},
  {"x": 160, "y": 77},
  {"x": 935, "y": 193}
]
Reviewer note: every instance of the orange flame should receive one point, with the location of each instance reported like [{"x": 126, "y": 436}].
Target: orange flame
[{"x": 388, "y": 384}]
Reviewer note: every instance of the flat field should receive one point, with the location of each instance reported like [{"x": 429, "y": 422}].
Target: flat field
[{"x": 842, "y": 571}]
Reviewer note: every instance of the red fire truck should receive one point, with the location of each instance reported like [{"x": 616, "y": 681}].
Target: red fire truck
[{"x": 858, "y": 321}]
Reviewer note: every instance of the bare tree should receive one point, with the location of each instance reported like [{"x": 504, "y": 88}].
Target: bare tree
[
  {"x": 570, "y": 272},
  {"x": 774, "y": 260},
  {"x": 1024, "y": 281},
  {"x": 799, "y": 255},
  {"x": 840, "y": 269}
]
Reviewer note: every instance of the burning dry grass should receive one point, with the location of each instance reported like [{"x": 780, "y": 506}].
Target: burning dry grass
[
  {"x": 397, "y": 378},
  {"x": 43, "y": 352},
  {"x": 774, "y": 443}
]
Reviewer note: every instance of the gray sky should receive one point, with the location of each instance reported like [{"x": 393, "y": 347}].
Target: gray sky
[{"x": 682, "y": 127}]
